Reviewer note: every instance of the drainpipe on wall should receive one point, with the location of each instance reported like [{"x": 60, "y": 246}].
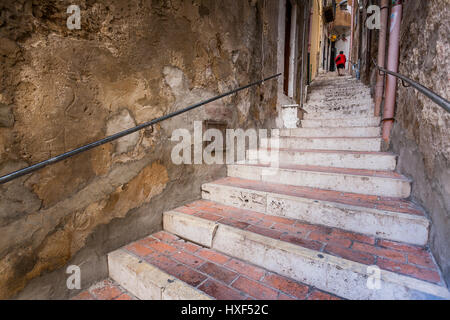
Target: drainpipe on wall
[
  {"x": 381, "y": 56},
  {"x": 392, "y": 65},
  {"x": 350, "y": 55}
]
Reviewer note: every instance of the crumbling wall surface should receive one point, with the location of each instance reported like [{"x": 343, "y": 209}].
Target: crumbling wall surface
[
  {"x": 421, "y": 135},
  {"x": 132, "y": 61}
]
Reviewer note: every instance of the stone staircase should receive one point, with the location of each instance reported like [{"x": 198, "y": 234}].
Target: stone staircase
[{"x": 312, "y": 227}]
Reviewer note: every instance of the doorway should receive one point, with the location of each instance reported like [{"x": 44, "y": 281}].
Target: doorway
[
  {"x": 287, "y": 46},
  {"x": 333, "y": 56}
]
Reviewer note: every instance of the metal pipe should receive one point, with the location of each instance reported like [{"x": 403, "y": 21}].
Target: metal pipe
[
  {"x": 40, "y": 165},
  {"x": 381, "y": 55},
  {"x": 441, "y": 101},
  {"x": 352, "y": 30},
  {"x": 392, "y": 65}
]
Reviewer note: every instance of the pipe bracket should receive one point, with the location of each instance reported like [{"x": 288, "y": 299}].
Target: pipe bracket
[{"x": 388, "y": 119}]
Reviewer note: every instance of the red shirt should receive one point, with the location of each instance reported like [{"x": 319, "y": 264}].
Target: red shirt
[{"x": 341, "y": 59}]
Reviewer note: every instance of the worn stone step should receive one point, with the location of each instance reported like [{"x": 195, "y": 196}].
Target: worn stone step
[
  {"x": 342, "y": 90},
  {"x": 330, "y": 115},
  {"x": 369, "y": 121},
  {"x": 325, "y": 143},
  {"x": 308, "y": 260},
  {"x": 340, "y": 100},
  {"x": 339, "y": 97},
  {"x": 106, "y": 289},
  {"x": 380, "y": 161},
  {"x": 146, "y": 281},
  {"x": 337, "y": 87},
  {"x": 332, "y": 132},
  {"x": 340, "y": 94},
  {"x": 200, "y": 273},
  {"x": 332, "y": 78},
  {"x": 336, "y": 107},
  {"x": 361, "y": 99},
  {"x": 350, "y": 87},
  {"x": 335, "y": 84},
  {"x": 369, "y": 182},
  {"x": 333, "y": 110},
  {"x": 386, "y": 218}
]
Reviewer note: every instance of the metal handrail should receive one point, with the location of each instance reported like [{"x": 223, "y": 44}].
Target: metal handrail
[
  {"x": 444, "y": 103},
  {"x": 40, "y": 165}
]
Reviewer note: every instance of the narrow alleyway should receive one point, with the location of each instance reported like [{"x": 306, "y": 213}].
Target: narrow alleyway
[
  {"x": 312, "y": 228},
  {"x": 208, "y": 150}
]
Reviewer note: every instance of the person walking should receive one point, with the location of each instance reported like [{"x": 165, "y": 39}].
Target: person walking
[{"x": 341, "y": 59}]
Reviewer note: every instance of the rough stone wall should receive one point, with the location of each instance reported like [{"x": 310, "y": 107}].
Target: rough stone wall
[
  {"x": 421, "y": 135},
  {"x": 132, "y": 61}
]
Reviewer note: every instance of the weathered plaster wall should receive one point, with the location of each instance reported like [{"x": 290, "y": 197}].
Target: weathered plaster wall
[
  {"x": 132, "y": 61},
  {"x": 421, "y": 135}
]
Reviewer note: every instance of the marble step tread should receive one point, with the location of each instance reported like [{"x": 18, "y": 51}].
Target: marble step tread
[
  {"x": 370, "y": 182},
  {"x": 331, "y": 260},
  {"x": 388, "y": 218},
  {"x": 207, "y": 273}
]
